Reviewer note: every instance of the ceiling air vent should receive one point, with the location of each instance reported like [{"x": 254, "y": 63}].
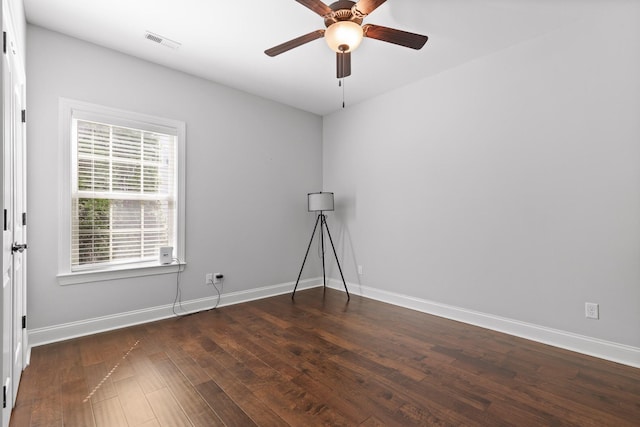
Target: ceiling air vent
[{"x": 156, "y": 38}]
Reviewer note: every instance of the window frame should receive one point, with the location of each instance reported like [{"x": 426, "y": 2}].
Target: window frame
[{"x": 69, "y": 109}]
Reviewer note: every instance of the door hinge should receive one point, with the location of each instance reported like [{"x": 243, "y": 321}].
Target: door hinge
[
  {"x": 24, "y": 322},
  {"x": 5, "y": 220},
  {"x": 4, "y": 396},
  {"x": 24, "y": 218},
  {"x": 24, "y": 116},
  {"x": 4, "y": 42}
]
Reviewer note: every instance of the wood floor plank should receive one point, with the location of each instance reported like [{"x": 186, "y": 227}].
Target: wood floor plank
[
  {"x": 21, "y": 416},
  {"x": 354, "y": 406},
  {"x": 168, "y": 412},
  {"x": 90, "y": 351},
  {"x": 189, "y": 368},
  {"x": 235, "y": 390},
  {"x": 145, "y": 373},
  {"x": 109, "y": 413},
  {"x": 224, "y": 407},
  {"x": 197, "y": 409},
  {"x": 46, "y": 413},
  {"x": 98, "y": 377},
  {"x": 41, "y": 391},
  {"x": 134, "y": 403},
  {"x": 298, "y": 406},
  {"x": 76, "y": 407},
  {"x": 372, "y": 422},
  {"x": 258, "y": 339},
  {"x": 291, "y": 403},
  {"x": 320, "y": 360}
]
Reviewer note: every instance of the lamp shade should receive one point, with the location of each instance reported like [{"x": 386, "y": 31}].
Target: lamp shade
[
  {"x": 346, "y": 34},
  {"x": 321, "y": 201}
]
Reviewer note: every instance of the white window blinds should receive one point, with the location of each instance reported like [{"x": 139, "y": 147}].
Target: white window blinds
[{"x": 123, "y": 194}]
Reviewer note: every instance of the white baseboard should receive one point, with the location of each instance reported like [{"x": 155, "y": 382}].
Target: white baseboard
[
  {"x": 607, "y": 350},
  {"x": 56, "y": 333},
  {"x": 602, "y": 349}
]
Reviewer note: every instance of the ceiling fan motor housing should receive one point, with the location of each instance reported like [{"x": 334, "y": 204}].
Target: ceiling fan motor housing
[{"x": 343, "y": 10}]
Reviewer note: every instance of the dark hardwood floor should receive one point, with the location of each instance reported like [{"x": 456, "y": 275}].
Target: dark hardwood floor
[{"x": 319, "y": 361}]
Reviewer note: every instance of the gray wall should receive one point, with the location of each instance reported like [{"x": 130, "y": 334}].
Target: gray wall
[
  {"x": 509, "y": 185},
  {"x": 250, "y": 163}
]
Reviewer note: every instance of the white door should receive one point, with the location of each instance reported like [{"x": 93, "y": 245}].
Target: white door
[
  {"x": 14, "y": 224},
  {"x": 19, "y": 228},
  {"x": 7, "y": 240}
]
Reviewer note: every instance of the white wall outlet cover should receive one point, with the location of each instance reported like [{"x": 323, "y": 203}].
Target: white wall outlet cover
[
  {"x": 165, "y": 255},
  {"x": 591, "y": 310}
]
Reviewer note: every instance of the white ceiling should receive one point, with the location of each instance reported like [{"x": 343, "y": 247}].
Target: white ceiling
[{"x": 224, "y": 41}]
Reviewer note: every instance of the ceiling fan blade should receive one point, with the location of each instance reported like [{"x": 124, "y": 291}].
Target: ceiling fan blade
[
  {"x": 299, "y": 41},
  {"x": 316, "y": 5},
  {"x": 391, "y": 35},
  {"x": 367, "y": 6},
  {"x": 343, "y": 62}
]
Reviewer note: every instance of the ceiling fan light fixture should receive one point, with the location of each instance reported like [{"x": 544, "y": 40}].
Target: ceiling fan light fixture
[{"x": 343, "y": 33}]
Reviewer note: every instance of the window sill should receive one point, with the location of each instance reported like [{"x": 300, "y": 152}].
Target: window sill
[{"x": 139, "y": 270}]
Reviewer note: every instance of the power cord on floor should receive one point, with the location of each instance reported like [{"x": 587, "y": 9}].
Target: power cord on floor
[
  {"x": 217, "y": 290},
  {"x": 178, "y": 299}
]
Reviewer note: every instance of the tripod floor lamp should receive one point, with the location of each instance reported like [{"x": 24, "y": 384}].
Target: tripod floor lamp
[{"x": 321, "y": 202}]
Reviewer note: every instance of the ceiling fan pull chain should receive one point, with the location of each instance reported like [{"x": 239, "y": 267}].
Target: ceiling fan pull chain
[{"x": 343, "y": 92}]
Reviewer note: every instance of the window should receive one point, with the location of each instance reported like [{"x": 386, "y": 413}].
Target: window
[{"x": 123, "y": 192}]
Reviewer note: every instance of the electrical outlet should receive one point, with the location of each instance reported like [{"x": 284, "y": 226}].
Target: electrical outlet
[
  {"x": 208, "y": 279},
  {"x": 360, "y": 270},
  {"x": 217, "y": 278},
  {"x": 591, "y": 310}
]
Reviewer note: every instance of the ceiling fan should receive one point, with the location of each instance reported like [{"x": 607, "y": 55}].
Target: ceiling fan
[{"x": 345, "y": 31}]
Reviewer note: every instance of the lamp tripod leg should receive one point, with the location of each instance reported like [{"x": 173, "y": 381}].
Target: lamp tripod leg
[
  {"x": 305, "y": 256},
  {"x": 323, "y": 223},
  {"x": 337, "y": 262}
]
